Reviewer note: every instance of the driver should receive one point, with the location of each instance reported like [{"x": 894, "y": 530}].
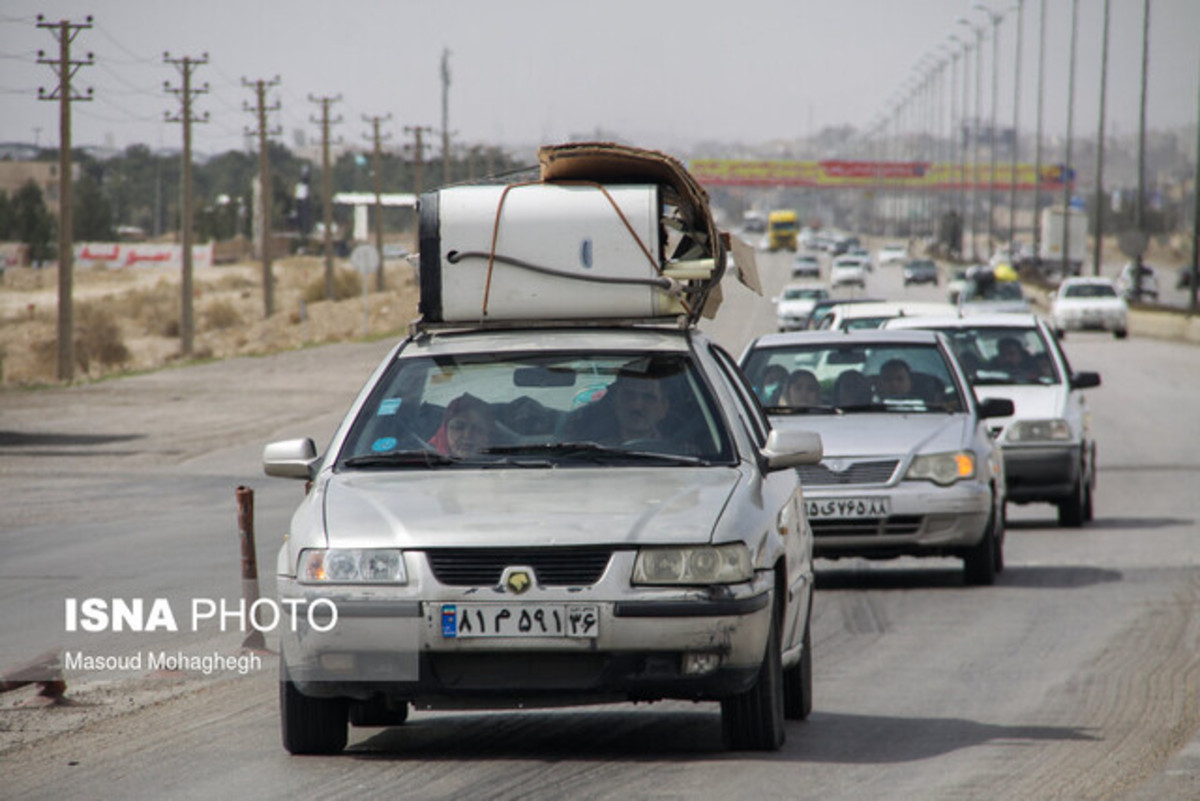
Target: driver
[{"x": 639, "y": 406}]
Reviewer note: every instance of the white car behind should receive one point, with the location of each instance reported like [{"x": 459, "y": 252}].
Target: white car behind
[
  {"x": 848, "y": 270},
  {"x": 1089, "y": 304}
]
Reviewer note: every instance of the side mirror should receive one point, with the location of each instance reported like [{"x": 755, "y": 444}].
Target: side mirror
[
  {"x": 995, "y": 407},
  {"x": 290, "y": 458},
  {"x": 792, "y": 448},
  {"x": 1085, "y": 380}
]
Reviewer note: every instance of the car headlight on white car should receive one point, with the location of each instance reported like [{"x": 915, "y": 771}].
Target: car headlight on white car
[
  {"x": 700, "y": 564},
  {"x": 352, "y": 566},
  {"x": 942, "y": 469},
  {"x": 1053, "y": 430}
]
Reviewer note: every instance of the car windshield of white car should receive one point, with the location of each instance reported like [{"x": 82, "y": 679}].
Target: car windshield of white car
[
  {"x": 1004, "y": 355},
  {"x": 834, "y": 378},
  {"x": 535, "y": 410}
]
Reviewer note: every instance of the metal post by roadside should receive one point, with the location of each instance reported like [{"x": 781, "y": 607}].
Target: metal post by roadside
[{"x": 245, "y": 502}]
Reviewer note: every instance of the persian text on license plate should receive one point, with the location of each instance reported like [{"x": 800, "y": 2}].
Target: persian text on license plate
[
  {"x": 520, "y": 620},
  {"x": 832, "y": 508}
]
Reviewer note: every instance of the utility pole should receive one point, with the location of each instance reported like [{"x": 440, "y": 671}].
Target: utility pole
[
  {"x": 1099, "y": 246},
  {"x": 265, "y": 195},
  {"x": 185, "y": 92},
  {"x": 418, "y": 151},
  {"x": 377, "y": 162},
  {"x": 445, "y": 116},
  {"x": 996, "y": 18},
  {"x": 327, "y": 185},
  {"x": 978, "y": 30},
  {"x": 65, "y": 32}
]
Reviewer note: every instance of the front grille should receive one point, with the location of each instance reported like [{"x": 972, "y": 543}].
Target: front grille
[
  {"x": 482, "y": 567},
  {"x": 819, "y": 475},
  {"x": 896, "y": 525}
]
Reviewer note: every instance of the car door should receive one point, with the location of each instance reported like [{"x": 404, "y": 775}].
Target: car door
[{"x": 782, "y": 503}]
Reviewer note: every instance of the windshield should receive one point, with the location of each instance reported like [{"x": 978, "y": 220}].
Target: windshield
[
  {"x": 1003, "y": 355},
  {"x": 804, "y": 294},
  {"x": 537, "y": 410},
  {"x": 841, "y": 378}
]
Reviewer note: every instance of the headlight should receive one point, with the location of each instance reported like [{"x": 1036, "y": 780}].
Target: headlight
[
  {"x": 1056, "y": 430},
  {"x": 942, "y": 468},
  {"x": 352, "y": 566},
  {"x": 705, "y": 564}
]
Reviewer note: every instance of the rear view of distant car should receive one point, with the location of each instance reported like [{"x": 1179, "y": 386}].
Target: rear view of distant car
[
  {"x": 1083, "y": 304},
  {"x": 920, "y": 271}
]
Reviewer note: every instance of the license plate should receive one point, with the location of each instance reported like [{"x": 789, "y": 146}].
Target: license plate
[
  {"x": 464, "y": 621},
  {"x": 833, "y": 508}
]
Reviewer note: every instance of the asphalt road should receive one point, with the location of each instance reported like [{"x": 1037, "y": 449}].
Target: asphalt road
[{"x": 1076, "y": 676}]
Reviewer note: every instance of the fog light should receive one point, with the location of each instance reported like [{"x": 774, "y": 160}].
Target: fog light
[
  {"x": 699, "y": 663},
  {"x": 337, "y": 663}
]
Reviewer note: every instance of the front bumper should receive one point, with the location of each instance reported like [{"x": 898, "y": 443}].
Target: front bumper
[
  {"x": 923, "y": 520},
  {"x": 1041, "y": 472},
  {"x": 390, "y": 641}
]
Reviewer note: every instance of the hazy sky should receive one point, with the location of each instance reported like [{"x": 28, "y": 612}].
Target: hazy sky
[{"x": 660, "y": 73}]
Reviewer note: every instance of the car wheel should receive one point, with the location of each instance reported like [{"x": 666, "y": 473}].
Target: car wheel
[
  {"x": 1060, "y": 333},
  {"x": 998, "y": 537},
  {"x": 1120, "y": 333},
  {"x": 377, "y": 713},
  {"x": 797, "y": 682},
  {"x": 979, "y": 561},
  {"x": 310, "y": 725},
  {"x": 1071, "y": 509},
  {"x": 753, "y": 720}
]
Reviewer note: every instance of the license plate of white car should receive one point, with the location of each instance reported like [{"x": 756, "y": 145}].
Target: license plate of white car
[
  {"x": 465, "y": 621},
  {"x": 835, "y": 508}
]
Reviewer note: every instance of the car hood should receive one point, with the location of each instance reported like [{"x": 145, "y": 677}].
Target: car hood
[
  {"x": 1030, "y": 401},
  {"x": 526, "y": 507},
  {"x": 859, "y": 434}
]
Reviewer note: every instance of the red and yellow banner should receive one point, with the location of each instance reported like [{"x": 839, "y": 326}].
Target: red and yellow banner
[{"x": 838, "y": 174}]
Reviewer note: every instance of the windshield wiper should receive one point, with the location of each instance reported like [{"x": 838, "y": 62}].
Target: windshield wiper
[
  {"x": 803, "y": 410},
  {"x": 593, "y": 452},
  {"x": 864, "y": 407},
  {"x": 401, "y": 459}
]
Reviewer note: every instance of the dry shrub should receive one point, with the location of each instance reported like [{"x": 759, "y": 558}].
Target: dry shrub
[
  {"x": 346, "y": 284},
  {"x": 231, "y": 282},
  {"x": 155, "y": 310},
  {"x": 98, "y": 337},
  {"x": 222, "y": 314}
]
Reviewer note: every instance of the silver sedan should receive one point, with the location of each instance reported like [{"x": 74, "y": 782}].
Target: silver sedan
[{"x": 909, "y": 467}]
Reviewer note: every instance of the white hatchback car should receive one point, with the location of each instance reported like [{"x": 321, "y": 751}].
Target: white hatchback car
[{"x": 1089, "y": 304}]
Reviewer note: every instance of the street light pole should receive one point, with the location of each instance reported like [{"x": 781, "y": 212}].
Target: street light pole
[
  {"x": 1141, "y": 196},
  {"x": 1016, "y": 150},
  {"x": 1037, "y": 159},
  {"x": 978, "y": 30},
  {"x": 996, "y": 18},
  {"x": 1099, "y": 246},
  {"x": 1066, "y": 174}
]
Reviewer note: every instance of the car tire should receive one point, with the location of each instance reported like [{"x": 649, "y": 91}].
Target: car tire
[
  {"x": 376, "y": 713},
  {"x": 1120, "y": 333},
  {"x": 979, "y": 561},
  {"x": 797, "y": 682},
  {"x": 753, "y": 720},
  {"x": 1060, "y": 334},
  {"x": 311, "y": 725},
  {"x": 998, "y": 531},
  {"x": 1071, "y": 510}
]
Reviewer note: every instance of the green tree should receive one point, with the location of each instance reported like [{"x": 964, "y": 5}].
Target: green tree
[
  {"x": 32, "y": 222},
  {"x": 93, "y": 220},
  {"x": 6, "y": 217}
]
